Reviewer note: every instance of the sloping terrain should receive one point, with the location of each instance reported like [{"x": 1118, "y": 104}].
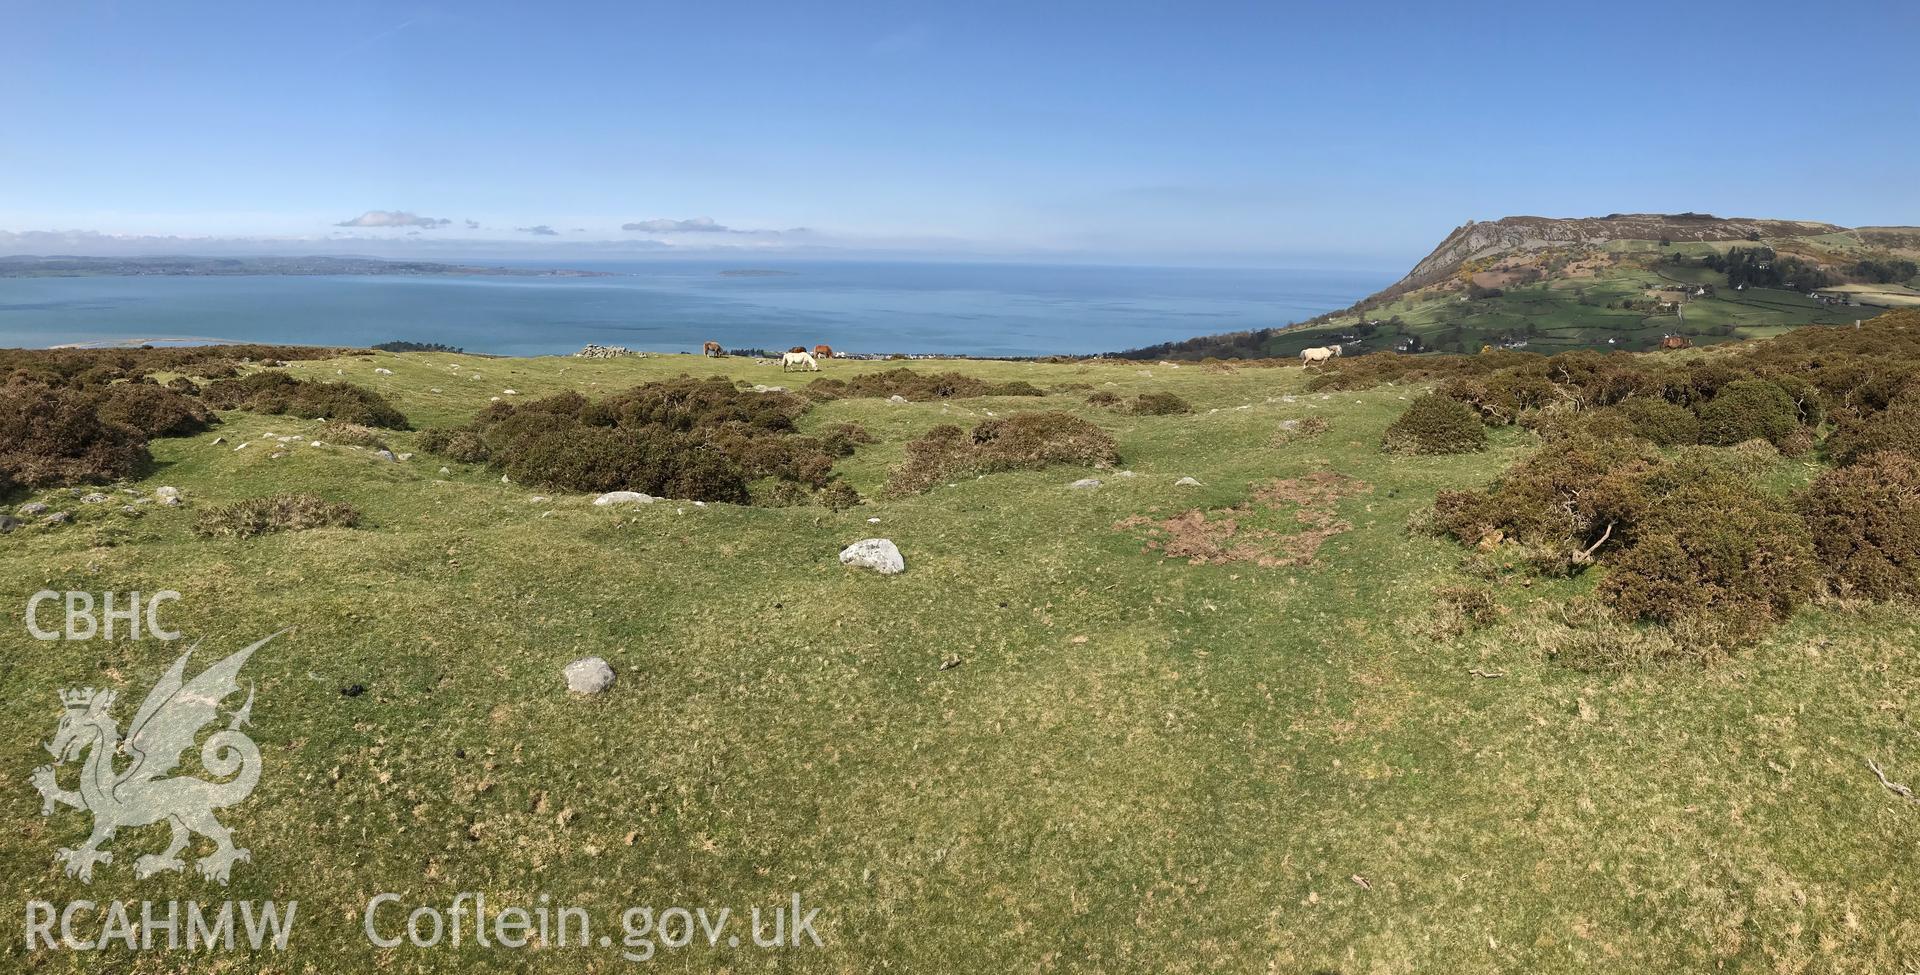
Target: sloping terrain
[
  {"x": 1624, "y": 281},
  {"x": 1048, "y": 745}
]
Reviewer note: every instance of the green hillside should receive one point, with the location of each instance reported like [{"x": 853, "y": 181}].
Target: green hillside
[
  {"x": 1626, "y": 281},
  {"x": 1248, "y": 722}
]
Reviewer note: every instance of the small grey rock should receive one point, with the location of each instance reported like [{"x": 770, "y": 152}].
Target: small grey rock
[
  {"x": 588, "y": 675},
  {"x": 172, "y": 501},
  {"x": 32, "y": 508},
  {"x": 7, "y": 524},
  {"x": 94, "y": 498},
  {"x": 1289, "y": 425},
  {"x": 878, "y": 554},
  {"x": 57, "y": 518},
  {"x": 166, "y": 492},
  {"x": 1085, "y": 484},
  {"x": 896, "y": 398},
  {"x": 385, "y": 454},
  {"x": 1186, "y": 482},
  {"x": 130, "y": 511}
]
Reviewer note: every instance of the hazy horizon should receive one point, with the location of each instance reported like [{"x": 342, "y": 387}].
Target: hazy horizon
[{"x": 1233, "y": 135}]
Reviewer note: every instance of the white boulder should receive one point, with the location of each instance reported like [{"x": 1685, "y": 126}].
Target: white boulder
[
  {"x": 588, "y": 675},
  {"x": 878, "y": 554},
  {"x": 623, "y": 497}
]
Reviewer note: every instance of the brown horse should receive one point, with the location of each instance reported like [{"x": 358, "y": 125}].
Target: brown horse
[
  {"x": 712, "y": 349},
  {"x": 823, "y": 351},
  {"x": 798, "y": 348}
]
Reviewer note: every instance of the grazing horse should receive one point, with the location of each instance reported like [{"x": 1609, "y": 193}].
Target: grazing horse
[
  {"x": 823, "y": 351},
  {"x": 1318, "y": 356},
  {"x": 798, "y": 359},
  {"x": 712, "y": 349},
  {"x": 798, "y": 348}
]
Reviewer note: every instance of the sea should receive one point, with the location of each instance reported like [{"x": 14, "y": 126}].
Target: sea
[{"x": 674, "y": 306}]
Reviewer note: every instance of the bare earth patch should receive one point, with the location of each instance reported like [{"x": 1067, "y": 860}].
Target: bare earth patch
[{"x": 1241, "y": 533}]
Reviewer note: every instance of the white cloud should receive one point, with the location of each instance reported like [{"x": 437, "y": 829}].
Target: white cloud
[
  {"x": 664, "y": 225},
  {"x": 394, "y": 218}
]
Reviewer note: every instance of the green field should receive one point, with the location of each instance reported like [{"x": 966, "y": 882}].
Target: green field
[{"x": 1042, "y": 748}]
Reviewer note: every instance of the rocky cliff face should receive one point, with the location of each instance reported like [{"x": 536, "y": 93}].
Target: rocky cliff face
[{"x": 1477, "y": 241}]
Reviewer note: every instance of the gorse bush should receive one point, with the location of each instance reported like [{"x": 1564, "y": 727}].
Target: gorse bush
[
  {"x": 1748, "y": 409},
  {"x": 653, "y": 460},
  {"x": 1658, "y": 473},
  {"x": 1562, "y": 503},
  {"x": 1501, "y": 398},
  {"x": 698, "y": 439},
  {"x": 1659, "y": 422},
  {"x": 281, "y": 394},
  {"x": 1157, "y": 404},
  {"x": 154, "y": 410},
  {"x": 464, "y": 446},
  {"x": 1436, "y": 424},
  {"x": 1685, "y": 539},
  {"x": 1014, "y": 387},
  {"x": 351, "y": 435},
  {"x": 1861, "y": 433},
  {"x": 1025, "y": 441},
  {"x": 98, "y": 367},
  {"x": 1865, "y": 523},
  {"x": 278, "y": 513},
  {"x": 53, "y": 436},
  {"x": 1714, "y": 551}
]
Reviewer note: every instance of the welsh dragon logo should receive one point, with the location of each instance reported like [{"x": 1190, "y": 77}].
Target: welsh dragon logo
[{"x": 143, "y": 793}]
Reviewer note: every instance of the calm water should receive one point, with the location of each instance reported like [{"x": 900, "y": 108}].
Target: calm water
[{"x": 975, "y": 309}]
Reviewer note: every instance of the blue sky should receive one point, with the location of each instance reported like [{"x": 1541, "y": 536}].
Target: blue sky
[{"x": 1351, "y": 134}]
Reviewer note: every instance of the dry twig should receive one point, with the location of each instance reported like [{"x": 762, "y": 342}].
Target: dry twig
[{"x": 1893, "y": 787}]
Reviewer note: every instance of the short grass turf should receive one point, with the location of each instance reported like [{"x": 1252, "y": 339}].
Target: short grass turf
[{"x": 1137, "y": 764}]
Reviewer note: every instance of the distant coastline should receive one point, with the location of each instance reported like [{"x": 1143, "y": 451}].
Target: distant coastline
[
  {"x": 945, "y": 309},
  {"x": 31, "y": 266}
]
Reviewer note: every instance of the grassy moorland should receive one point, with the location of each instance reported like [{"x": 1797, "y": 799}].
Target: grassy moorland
[{"x": 1044, "y": 747}]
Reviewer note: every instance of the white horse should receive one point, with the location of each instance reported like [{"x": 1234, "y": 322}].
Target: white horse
[
  {"x": 1318, "y": 356},
  {"x": 803, "y": 360}
]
